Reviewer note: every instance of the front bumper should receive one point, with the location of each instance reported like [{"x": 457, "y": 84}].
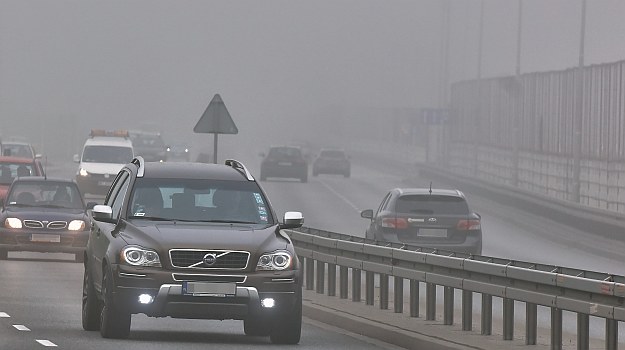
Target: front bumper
[{"x": 24, "y": 241}]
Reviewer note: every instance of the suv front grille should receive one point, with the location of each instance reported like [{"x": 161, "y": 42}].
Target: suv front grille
[
  {"x": 54, "y": 225},
  {"x": 201, "y": 259}
]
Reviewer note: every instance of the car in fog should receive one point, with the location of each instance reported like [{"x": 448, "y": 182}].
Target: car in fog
[
  {"x": 149, "y": 145},
  {"x": 332, "y": 161},
  {"x": 191, "y": 240},
  {"x": 432, "y": 218},
  {"x": 43, "y": 214},
  {"x": 284, "y": 162},
  {"x": 178, "y": 152},
  {"x": 103, "y": 155},
  {"x": 19, "y": 149},
  {"x": 14, "y": 167}
]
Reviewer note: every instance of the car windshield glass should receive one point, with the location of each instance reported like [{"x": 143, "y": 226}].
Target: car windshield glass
[
  {"x": 9, "y": 171},
  {"x": 431, "y": 205},
  {"x": 107, "y": 154},
  {"x": 199, "y": 200},
  {"x": 45, "y": 193},
  {"x": 332, "y": 154},
  {"x": 285, "y": 152},
  {"x": 17, "y": 150}
]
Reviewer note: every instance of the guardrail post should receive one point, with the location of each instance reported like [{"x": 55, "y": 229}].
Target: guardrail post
[
  {"x": 398, "y": 294},
  {"x": 531, "y": 323},
  {"x": 611, "y": 334},
  {"x": 487, "y": 314},
  {"x": 321, "y": 276},
  {"x": 430, "y": 301},
  {"x": 331, "y": 280},
  {"x": 383, "y": 291},
  {"x": 467, "y": 310},
  {"x": 310, "y": 273},
  {"x": 343, "y": 282},
  {"x": 556, "y": 328},
  {"x": 448, "y": 305},
  {"x": 508, "y": 319},
  {"x": 356, "y": 282},
  {"x": 369, "y": 288},
  {"x": 583, "y": 331},
  {"x": 414, "y": 298}
]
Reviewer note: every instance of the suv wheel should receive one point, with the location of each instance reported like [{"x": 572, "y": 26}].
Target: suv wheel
[
  {"x": 4, "y": 254},
  {"x": 91, "y": 307},
  {"x": 257, "y": 327},
  {"x": 114, "y": 322},
  {"x": 287, "y": 328},
  {"x": 79, "y": 257}
]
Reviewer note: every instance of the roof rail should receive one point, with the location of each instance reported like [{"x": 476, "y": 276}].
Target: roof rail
[
  {"x": 239, "y": 166},
  {"x": 140, "y": 163}
]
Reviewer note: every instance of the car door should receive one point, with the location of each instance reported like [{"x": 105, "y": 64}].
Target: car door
[
  {"x": 101, "y": 232},
  {"x": 374, "y": 226}
]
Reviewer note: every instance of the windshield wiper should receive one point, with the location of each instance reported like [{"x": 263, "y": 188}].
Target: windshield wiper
[
  {"x": 22, "y": 205},
  {"x": 152, "y": 218},
  {"x": 228, "y": 221}
]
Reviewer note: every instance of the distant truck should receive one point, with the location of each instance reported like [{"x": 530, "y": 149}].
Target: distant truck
[{"x": 102, "y": 157}]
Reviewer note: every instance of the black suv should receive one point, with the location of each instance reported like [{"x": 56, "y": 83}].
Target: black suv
[
  {"x": 191, "y": 240},
  {"x": 435, "y": 218},
  {"x": 284, "y": 162}
]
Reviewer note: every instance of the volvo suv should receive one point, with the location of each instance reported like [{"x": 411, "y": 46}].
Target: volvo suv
[{"x": 191, "y": 240}]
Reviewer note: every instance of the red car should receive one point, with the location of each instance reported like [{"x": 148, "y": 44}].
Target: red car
[{"x": 12, "y": 167}]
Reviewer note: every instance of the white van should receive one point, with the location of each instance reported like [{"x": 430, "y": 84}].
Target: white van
[{"x": 104, "y": 154}]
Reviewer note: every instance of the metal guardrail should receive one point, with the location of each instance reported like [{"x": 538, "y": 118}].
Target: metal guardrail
[{"x": 586, "y": 293}]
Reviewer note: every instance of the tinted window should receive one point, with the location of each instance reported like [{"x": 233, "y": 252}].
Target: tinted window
[
  {"x": 431, "y": 204},
  {"x": 46, "y": 194},
  {"x": 107, "y": 154},
  {"x": 285, "y": 152},
  {"x": 17, "y": 150},
  {"x": 332, "y": 154},
  {"x": 9, "y": 171},
  {"x": 119, "y": 198}
]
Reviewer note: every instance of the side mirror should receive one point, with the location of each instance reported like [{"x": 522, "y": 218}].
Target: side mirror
[
  {"x": 102, "y": 213},
  {"x": 76, "y": 158},
  {"x": 292, "y": 219},
  {"x": 367, "y": 214}
]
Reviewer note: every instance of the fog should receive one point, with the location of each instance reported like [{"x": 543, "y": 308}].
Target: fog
[{"x": 283, "y": 68}]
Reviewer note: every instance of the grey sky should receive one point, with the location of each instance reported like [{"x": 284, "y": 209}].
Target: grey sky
[{"x": 120, "y": 63}]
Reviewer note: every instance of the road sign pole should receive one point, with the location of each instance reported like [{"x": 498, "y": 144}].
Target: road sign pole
[{"x": 215, "y": 148}]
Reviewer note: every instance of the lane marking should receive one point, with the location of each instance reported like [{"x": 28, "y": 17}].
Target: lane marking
[
  {"x": 46, "y": 342},
  {"x": 340, "y": 196},
  {"x": 20, "y": 327},
  {"x": 4, "y": 315}
]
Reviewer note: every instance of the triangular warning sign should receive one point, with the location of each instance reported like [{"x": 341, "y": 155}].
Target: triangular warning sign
[{"x": 216, "y": 119}]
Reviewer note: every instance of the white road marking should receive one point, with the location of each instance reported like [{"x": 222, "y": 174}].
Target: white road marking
[
  {"x": 45, "y": 342},
  {"x": 340, "y": 196},
  {"x": 20, "y": 327},
  {"x": 4, "y": 315}
]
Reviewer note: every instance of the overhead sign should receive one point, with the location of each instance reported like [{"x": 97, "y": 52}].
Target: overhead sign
[{"x": 216, "y": 119}]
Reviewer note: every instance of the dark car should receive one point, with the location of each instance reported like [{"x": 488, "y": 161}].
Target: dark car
[
  {"x": 13, "y": 167},
  {"x": 44, "y": 215},
  {"x": 149, "y": 145},
  {"x": 191, "y": 240},
  {"x": 178, "y": 152},
  {"x": 435, "y": 218},
  {"x": 284, "y": 162},
  {"x": 332, "y": 161}
]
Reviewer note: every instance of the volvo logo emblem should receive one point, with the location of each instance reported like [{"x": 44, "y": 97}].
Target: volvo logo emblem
[
  {"x": 432, "y": 220},
  {"x": 210, "y": 259}
]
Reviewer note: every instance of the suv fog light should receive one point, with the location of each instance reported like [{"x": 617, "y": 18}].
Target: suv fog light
[
  {"x": 146, "y": 299},
  {"x": 268, "y": 302}
]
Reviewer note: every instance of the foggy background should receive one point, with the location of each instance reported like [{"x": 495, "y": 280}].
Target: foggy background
[{"x": 69, "y": 66}]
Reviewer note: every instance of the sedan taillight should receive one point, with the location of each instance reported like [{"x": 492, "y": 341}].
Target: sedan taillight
[
  {"x": 398, "y": 223},
  {"x": 469, "y": 225}
]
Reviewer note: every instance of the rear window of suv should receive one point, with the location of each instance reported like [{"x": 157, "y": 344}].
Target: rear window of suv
[{"x": 431, "y": 205}]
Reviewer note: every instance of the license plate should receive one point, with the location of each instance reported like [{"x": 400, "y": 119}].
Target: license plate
[
  {"x": 104, "y": 183},
  {"x": 39, "y": 237},
  {"x": 285, "y": 163},
  {"x": 209, "y": 289},
  {"x": 432, "y": 232}
]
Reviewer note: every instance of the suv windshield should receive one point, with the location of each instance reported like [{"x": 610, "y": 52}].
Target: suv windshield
[
  {"x": 199, "y": 200},
  {"x": 45, "y": 194},
  {"x": 107, "y": 154},
  {"x": 431, "y": 204}
]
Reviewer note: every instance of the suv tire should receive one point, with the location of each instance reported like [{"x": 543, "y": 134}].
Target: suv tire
[
  {"x": 114, "y": 322},
  {"x": 287, "y": 328},
  {"x": 91, "y": 306},
  {"x": 79, "y": 257}
]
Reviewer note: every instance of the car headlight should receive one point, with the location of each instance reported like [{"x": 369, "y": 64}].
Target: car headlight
[
  {"x": 138, "y": 256},
  {"x": 13, "y": 223},
  {"x": 278, "y": 260},
  {"x": 76, "y": 225},
  {"x": 83, "y": 172}
]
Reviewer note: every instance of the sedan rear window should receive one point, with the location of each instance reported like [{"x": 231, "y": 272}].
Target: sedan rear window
[{"x": 431, "y": 204}]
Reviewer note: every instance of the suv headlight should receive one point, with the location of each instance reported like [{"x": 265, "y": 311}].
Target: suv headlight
[
  {"x": 138, "y": 256},
  {"x": 13, "y": 223},
  {"x": 76, "y": 225},
  {"x": 278, "y": 260},
  {"x": 83, "y": 172}
]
